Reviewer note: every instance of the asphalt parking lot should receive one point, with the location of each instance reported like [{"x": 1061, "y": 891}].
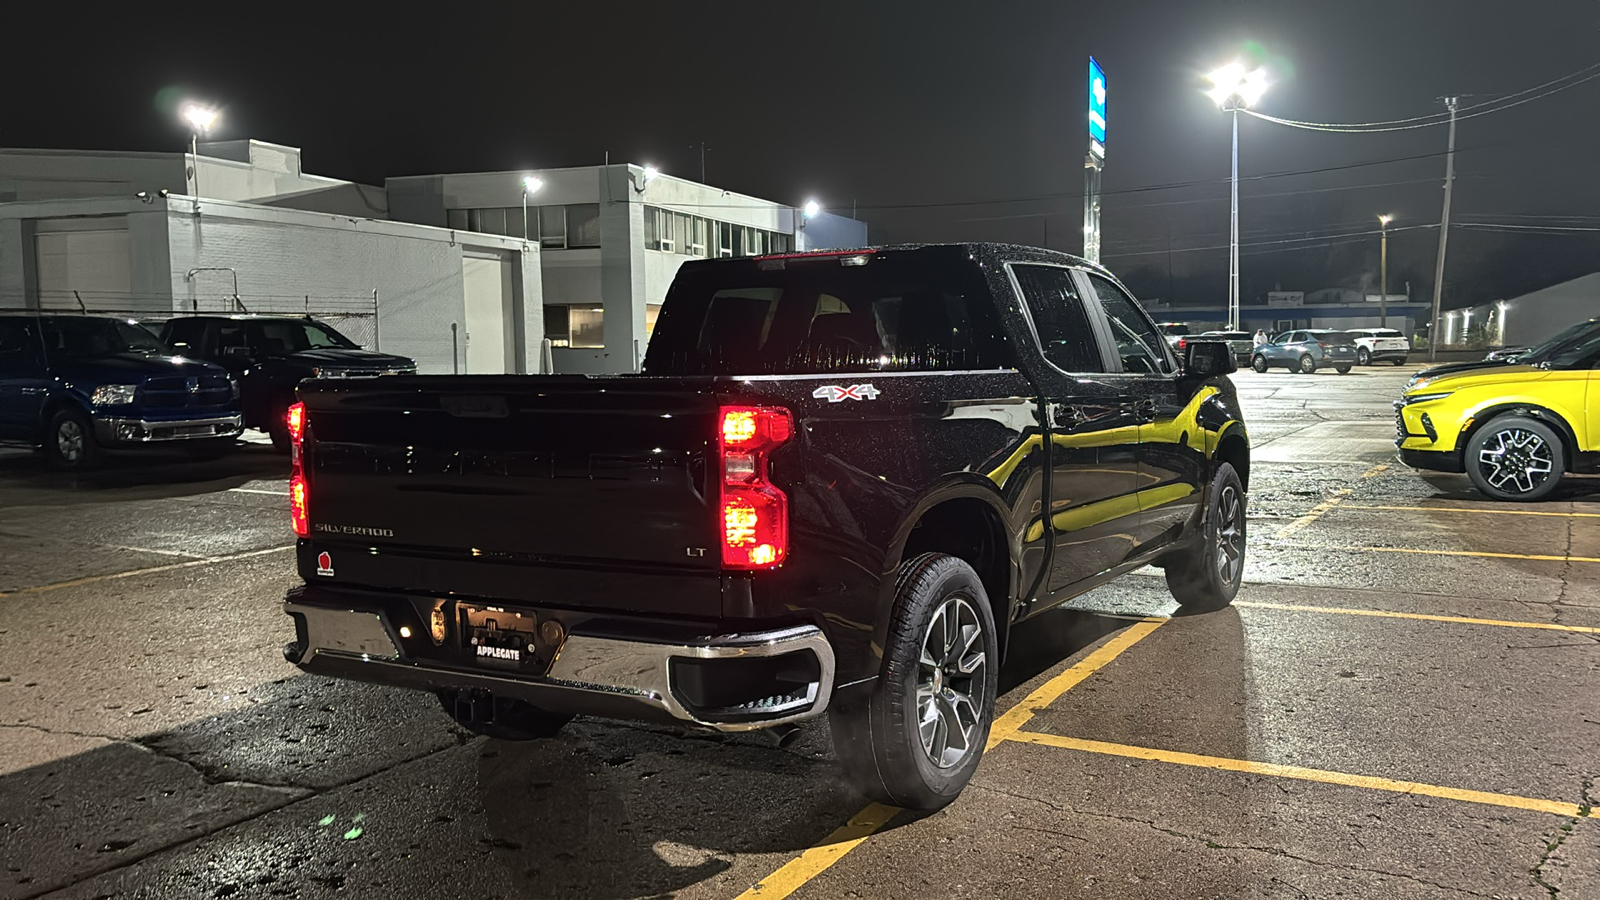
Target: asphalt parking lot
[{"x": 1401, "y": 703}]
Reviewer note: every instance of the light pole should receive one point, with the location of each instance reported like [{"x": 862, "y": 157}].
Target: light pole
[
  {"x": 200, "y": 119},
  {"x": 530, "y": 185},
  {"x": 807, "y": 213},
  {"x": 1383, "y": 270},
  {"x": 1233, "y": 87}
]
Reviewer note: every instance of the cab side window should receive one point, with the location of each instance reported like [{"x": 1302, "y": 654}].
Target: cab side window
[
  {"x": 19, "y": 348},
  {"x": 1141, "y": 346},
  {"x": 1059, "y": 318}
]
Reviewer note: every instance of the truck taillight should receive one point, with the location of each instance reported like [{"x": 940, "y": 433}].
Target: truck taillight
[
  {"x": 299, "y": 504},
  {"x": 299, "y": 489},
  {"x": 754, "y": 519},
  {"x": 1182, "y": 343}
]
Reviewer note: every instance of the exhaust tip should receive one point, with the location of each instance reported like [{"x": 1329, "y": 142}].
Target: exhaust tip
[{"x": 783, "y": 735}]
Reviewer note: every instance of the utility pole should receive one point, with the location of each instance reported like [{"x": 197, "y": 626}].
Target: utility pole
[
  {"x": 1444, "y": 232},
  {"x": 1383, "y": 272}
]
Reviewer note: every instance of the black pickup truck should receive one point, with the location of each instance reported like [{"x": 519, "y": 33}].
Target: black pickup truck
[{"x": 840, "y": 483}]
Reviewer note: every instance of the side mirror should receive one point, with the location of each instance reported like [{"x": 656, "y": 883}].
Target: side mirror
[{"x": 1208, "y": 359}]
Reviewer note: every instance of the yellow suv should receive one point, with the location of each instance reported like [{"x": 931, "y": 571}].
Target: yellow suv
[{"x": 1514, "y": 429}]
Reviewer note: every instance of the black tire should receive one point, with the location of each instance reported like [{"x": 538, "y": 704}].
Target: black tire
[
  {"x": 1399, "y": 362},
  {"x": 1363, "y": 358},
  {"x": 1206, "y": 577},
  {"x": 1259, "y": 363},
  {"x": 1307, "y": 365},
  {"x": 69, "y": 441},
  {"x": 879, "y": 739},
  {"x": 1342, "y": 370},
  {"x": 1514, "y": 457},
  {"x": 502, "y": 718},
  {"x": 278, "y": 430}
]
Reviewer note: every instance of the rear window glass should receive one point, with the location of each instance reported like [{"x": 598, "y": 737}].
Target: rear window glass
[
  {"x": 1333, "y": 337},
  {"x": 1174, "y": 328},
  {"x": 901, "y": 311}
]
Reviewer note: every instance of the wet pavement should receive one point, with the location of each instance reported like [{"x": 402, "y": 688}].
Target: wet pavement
[{"x": 1402, "y": 703}]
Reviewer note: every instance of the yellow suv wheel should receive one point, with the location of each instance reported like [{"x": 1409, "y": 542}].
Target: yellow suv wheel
[{"x": 1515, "y": 458}]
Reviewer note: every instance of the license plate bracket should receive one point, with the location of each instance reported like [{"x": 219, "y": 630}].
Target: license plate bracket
[{"x": 502, "y": 639}]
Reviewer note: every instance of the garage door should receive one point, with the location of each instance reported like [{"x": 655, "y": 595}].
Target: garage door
[{"x": 93, "y": 263}]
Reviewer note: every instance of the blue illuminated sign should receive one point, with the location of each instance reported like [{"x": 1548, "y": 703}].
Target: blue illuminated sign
[{"x": 1097, "y": 105}]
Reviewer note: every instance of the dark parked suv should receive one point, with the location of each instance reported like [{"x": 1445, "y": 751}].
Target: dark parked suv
[
  {"x": 840, "y": 484},
  {"x": 271, "y": 355},
  {"x": 77, "y": 384}
]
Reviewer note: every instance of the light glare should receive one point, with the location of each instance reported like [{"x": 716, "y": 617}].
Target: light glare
[
  {"x": 532, "y": 183},
  {"x": 812, "y": 208},
  {"x": 200, "y": 118}
]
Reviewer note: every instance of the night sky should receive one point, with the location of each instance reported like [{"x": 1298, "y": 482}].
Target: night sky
[{"x": 918, "y": 115}]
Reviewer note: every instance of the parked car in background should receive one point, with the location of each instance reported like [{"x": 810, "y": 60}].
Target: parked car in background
[
  {"x": 1174, "y": 332},
  {"x": 1374, "y": 344},
  {"x": 843, "y": 481},
  {"x": 1305, "y": 351},
  {"x": 1516, "y": 429},
  {"x": 1242, "y": 343},
  {"x": 271, "y": 355},
  {"x": 77, "y": 385}
]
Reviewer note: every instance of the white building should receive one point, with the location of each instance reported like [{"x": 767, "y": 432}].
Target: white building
[
  {"x": 76, "y": 234},
  {"x": 612, "y": 238},
  {"x": 1526, "y": 320}
]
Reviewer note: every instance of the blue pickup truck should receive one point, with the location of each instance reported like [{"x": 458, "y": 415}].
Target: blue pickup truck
[{"x": 77, "y": 385}]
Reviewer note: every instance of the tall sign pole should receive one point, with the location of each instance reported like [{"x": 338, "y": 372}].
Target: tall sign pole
[
  {"x": 1444, "y": 232},
  {"x": 1094, "y": 161}
]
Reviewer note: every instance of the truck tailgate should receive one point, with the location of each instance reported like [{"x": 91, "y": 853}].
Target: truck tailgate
[{"x": 537, "y": 478}]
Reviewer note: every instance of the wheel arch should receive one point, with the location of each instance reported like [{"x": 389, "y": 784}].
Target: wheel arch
[
  {"x": 58, "y": 401},
  {"x": 967, "y": 521},
  {"x": 1558, "y": 422},
  {"x": 1234, "y": 448}
]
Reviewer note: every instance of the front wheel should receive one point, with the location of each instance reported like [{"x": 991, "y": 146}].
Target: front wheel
[
  {"x": 502, "y": 718},
  {"x": 1399, "y": 362},
  {"x": 69, "y": 441},
  {"x": 1307, "y": 365},
  {"x": 916, "y": 739},
  {"x": 1207, "y": 576},
  {"x": 1515, "y": 458},
  {"x": 1342, "y": 370},
  {"x": 1363, "y": 357},
  {"x": 1259, "y": 364}
]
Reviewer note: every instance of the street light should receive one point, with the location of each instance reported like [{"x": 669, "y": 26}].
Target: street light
[
  {"x": 200, "y": 120},
  {"x": 1233, "y": 87},
  {"x": 811, "y": 209},
  {"x": 530, "y": 185},
  {"x": 1383, "y": 270}
]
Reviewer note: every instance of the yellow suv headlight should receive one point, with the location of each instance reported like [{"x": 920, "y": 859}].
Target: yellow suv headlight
[{"x": 1424, "y": 398}]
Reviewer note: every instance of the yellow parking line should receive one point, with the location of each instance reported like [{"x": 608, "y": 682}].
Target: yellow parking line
[
  {"x": 1322, "y": 508},
  {"x": 94, "y": 579},
  {"x": 1324, "y": 776},
  {"x": 1424, "y": 617},
  {"x": 808, "y": 865},
  {"x": 1481, "y": 553},
  {"x": 1490, "y": 512}
]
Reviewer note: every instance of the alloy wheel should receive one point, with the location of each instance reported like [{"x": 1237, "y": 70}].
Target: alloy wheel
[
  {"x": 1230, "y": 534},
  {"x": 1515, "y": 460},
  {"x": 69, "y": 440},
  {"x": 950, "y": 673}
]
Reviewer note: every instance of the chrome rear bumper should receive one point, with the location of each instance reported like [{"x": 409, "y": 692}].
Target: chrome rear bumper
[{"x": 589, "y": 675}]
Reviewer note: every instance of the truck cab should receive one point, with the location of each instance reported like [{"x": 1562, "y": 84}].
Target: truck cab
[
  {"x": 77, "y": 385},
  {"x": 271, "y": 355}
]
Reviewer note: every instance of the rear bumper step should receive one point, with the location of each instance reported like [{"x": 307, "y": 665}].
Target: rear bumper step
[{"x": 733, "y": 682}]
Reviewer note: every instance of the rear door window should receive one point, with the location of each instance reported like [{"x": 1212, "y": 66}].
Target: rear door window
[
  {"x": 19, "y": 348},
  {"x": 1059, "y": 319}
]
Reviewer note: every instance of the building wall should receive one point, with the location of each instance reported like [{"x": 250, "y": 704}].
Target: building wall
[
  {"x": 1533, "y": 317},
  {"x": 285, "y": 259},
  {"x": 62, "y": 174},
  {"x": 826, "y": 231}
]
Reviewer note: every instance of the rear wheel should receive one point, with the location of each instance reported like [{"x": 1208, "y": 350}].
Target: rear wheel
[
  {"x": 1342, "y": 370},
  {"x": 916, "y": 739},
  {"x": 1259, "y": 363},
  {"x": 1206, "y": 577},
  {"x": 1399, "y": 362},
  {"x": 278, "y": 429},
  {"x": 1363, "y": 358},
  {"x": 1307, "y": 365},
  {"x": 1515, "y": 458},
  {"x": 502, "y": 718},
  {"x": 69, "y": 441}
]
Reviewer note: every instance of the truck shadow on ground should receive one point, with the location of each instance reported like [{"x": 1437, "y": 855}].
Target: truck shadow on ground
[
  {"x": 317, "y": 784},
  {"x": 25, "y": 478}
]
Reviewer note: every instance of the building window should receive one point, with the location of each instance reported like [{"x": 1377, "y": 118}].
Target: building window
[
  {"x": 724, "y": 239},
  {"x": 697, "y": 237},
  {"x": 552, "y": 227},
  {"x": 583, "y": 225},
  {"x": 576, "y": 327}
]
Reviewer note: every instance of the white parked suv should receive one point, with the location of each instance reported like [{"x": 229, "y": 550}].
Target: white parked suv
[{"x": 1373, "y": 344}]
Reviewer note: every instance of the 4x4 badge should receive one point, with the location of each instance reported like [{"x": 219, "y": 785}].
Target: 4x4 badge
[{"x": 833, "y": 393}]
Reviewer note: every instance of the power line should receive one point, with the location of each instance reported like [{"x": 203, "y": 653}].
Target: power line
[{"x": 1589, "y": 73}]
